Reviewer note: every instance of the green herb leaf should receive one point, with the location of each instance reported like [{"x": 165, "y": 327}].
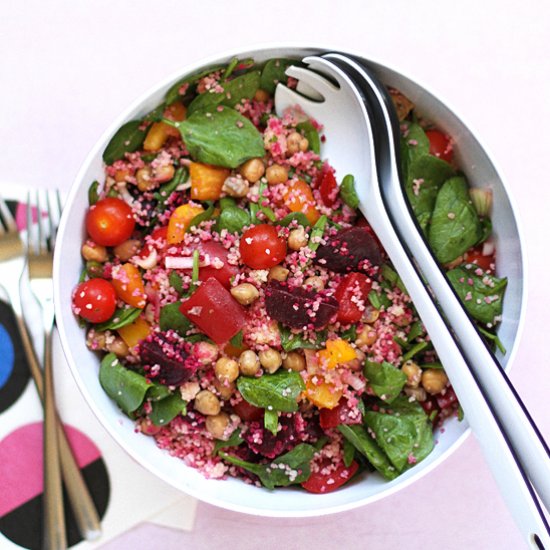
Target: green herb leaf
[
  {"x": 300, "y": 218},
  {"x": 349, "y": 452},
  {"x": 385, "y": 380},
  {"x": 176, "y": 282},
  {"x": 317, "y": 231},
  {"x": 126, "y": 387},
  {"x": 348, "y": 193},
  {"x": 234, "y": 440},
  {"x": 311, "y": 134},
  {"x": 221, "y": 137},
  {"x": 173, "y": 93},
  {"x": 127, "y": 139},
  {"x": 415, "y": 145},
  {"x": 171, "y": 317},
  {"x": 93, "y": 193},
  {"x": 455, "y": 225},
  {"x": 237, "y": 340},
  {"x": 165, "y": 410},
  {"x": 271, "y": 421},
  {"x": 274, "y": 72},
  {"x": 278, "y": 391},
  {"x": 121, "y": 318},
  {"x": 233, "y": 219}
]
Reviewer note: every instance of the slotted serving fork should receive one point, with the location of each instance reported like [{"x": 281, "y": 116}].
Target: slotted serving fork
[{"x": 12, "y": 264}]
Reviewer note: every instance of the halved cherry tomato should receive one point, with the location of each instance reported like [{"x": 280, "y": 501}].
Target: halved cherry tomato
[
  {"x": 110, "y": 221},
  {"x": 215, "y": 311},
  {"x": 94, "y": 300},
  {"x": 245, "y": 411},
  {"x": 353, "y": 288},
  {"x": 328, "y": 186},
  {"x": 475, "y": 256},
  {"x": 319, "y": 482},
  {"x": 261, "y": 247},
  {"x": 129, "y": 285},
  {"x": 440, "y": 145}
]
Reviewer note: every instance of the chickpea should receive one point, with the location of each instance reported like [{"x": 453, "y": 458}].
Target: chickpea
[
  {"x": 217, "y": 424},
  {"x": 252, "y": 170},
  {"x": 144, "y": 179},
  {"x": 371, "y": 315},
  {"x": 367, "y": 337},
  {"x": 419, "y": 394},
  {"x": 164, "y": 173},
  {"x": 207, "y": 403},
  {"x": 413, "y": 372},
  {"x": 278, "y": 273},
  {"x": 93, "y": 252},
  {"x": 276, "y": 174},
  {"x": 293, "y": 141},
  {"x": 224, "y": 388},
  {"x": 95, "y": 340},
  {"x": 226, "y": 369},
  {"x": 304, "y": 144},
  {"x": 245, "y": 293},
  {"x": 124, "y": 251},
  {"x": 205, "y": 352},
  {"x": 118, "y": 346},
  {"x": 249, "y": 364},
  {"x": 434, "y": 381},
  {"x": 261, "y": 95},
  {"x": 297, "y": 238},
  {"x": 270, "y": 359},
  {"x": 316, "y": 283},
  {"x": 294, "y": 361},
  {"x": 236, "y": 186}
]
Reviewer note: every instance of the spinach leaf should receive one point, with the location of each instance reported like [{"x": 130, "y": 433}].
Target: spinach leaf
[
  {"x": 173, "y": 93},
  {"x": 385, "y": 380},
  {"x": 237, "y": 340},
  {"x": 416, "y": 329},
  {"x": 300, "y": 218},
  {"x": 157, "y": 392},
  {"x": 165, "y": 410},
  {"x": 291, "y": 341},
  {"x": 234, "y": 440},
  {"x": 349, "y": 334},
  {"x": 176, "y": 282},
  {"x": 271, "y": 421},
  {"x": 482, "y": 295},
  {"x": 202, "y": 217},
  {"x": 121, "y": 317},
  {"x": 455, "y": 225},
  {"x": 274, "y": 72},
  {"x": 374, "y": 299},
  {"x": 367, "y": 446},
  {"x": 233, "y": 219},
  {"x": 126, "y": 387},
  {"x": 278, "y": 391},
  {"x": 349, "y": 452},
  {"x": 426, "y": 175},
  {"x": 415, "y": 145},
  {"x": 234, "y": 91},
  {"x": 271, "y": 475},
  {"x": 348, "y": 193},
  {"x": 93, "y": 194},
  {"x": 128, "y": 138},
  {"x": 222, "y": 137},
  {"x": 171, "y": 317},
  {"x": 404, "y": 434},
  {"x": 311, "y": 134}
]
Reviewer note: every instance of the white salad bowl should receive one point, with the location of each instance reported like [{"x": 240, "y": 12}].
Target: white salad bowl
[{"x": 232, "y": 493}]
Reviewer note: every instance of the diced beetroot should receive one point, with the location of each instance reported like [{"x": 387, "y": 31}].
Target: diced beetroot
[
  {"x": 448, "y": 400},
  {"x": 215, "y": 311},
  {"x": 167, "y": 353},
  {"x": 263, "y": 442},
  {"x": 348, "y": 250},
  {"x": 297, "y": 307},
  {"x": 352, "y": 293}
]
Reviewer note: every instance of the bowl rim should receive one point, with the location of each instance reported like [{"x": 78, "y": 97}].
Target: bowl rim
[{"x": 76, "y": 188}]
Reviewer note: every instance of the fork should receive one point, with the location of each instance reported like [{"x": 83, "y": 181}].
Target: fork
[{"x": 12, "y": 260}]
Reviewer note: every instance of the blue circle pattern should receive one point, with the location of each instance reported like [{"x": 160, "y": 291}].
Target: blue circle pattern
[{"x": 7, "y": 356}]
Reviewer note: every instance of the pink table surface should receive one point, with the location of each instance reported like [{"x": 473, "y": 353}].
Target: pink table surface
[{"x": 69, "y": 67}]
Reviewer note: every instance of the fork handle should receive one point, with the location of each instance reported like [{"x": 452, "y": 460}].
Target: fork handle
[{"x": 82, "y": 505}]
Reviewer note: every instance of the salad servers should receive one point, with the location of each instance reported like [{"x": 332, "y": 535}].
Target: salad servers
[
  {"x": 338, "y": 101},
  {"x": 13, "y": 263}
]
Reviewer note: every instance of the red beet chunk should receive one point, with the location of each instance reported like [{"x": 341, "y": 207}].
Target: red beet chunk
[
  {"x": 215, "y": 311},
  {"x": 263, "y": 442},
  {"x": 348, "y": 250},
  {"x": 172, "y": 357},
  {"x": 297, "y": 307}
]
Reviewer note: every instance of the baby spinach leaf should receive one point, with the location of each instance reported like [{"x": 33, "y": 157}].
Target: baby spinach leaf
[
  {"x": 274, "y": 72},
  {"x": 291, "y": 341},
  {"x": 233, "y": 219},
  {"x": 121, "y": 317},
  {"x": 311, "y": 134},
  {"x": 202, "y": 217},
  {"x": 425, "y": 176},
  {"x": 93, "y": 194},
  {"x": 413, "y": 146},
  {"x": 234, "y": 91},
  {"x": 348, "y": 193},
  {"x": 385, "y": 380},
  {"x": 165, "y": 410},
  {"x": 128, "y": 138},
  {"x": 171, "y": 317},
  {"x": 367, "y": 446},
  {"x": 277, "y": 391},
  {"x": 234, "y": 440},
  {"x": 482, "y": 295},
  {"x": 237, "y": 340},
  {"x": 176, "y": 282},
  {"x": 349, "y": 452},
  {"x": 405, "y": 433},
  {"x": 157, "y": 392},
  {"x": 271, "y": 475},
  {"x": 126, "y": 387},
  {"x": 173, "y": 92},
  {"x": 300, "y": 218},
  {"x": 271, "y": 421},
  {"x": 455, "y": 225},
  {"x": 221, "y": 137}
]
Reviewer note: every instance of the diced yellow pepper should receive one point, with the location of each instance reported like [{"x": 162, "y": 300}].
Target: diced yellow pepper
[
  {"x": 207, "y": 181},
  {"x": 323, "y": 395},
  {"x": 179, "y": 222},
  {"x": 337, "y": 352},
  {"x": 129, "y": 285},
  {"x": 133, "y": 333},
  {"x": 156, "y": 136},
  {"x": 298, "y": 197}
]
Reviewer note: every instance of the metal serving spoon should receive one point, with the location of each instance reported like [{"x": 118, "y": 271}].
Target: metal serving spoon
[{"x": 350, "y": 146}]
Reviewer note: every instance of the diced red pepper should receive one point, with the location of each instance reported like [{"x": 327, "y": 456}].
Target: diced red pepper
[
  {"x": 328, "y": 186},
  {"x": 353, "y": 288},
  {"x": 330, "y": 418},
  {"x": 325, "y": 483},
  {"x": 215, "y": 311},
  {"x": 218, "y": 255}
]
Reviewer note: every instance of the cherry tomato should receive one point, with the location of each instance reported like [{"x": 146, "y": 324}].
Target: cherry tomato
[
  {"x": 440, "y": 145},
  {"x": 328, "y": 187},
  {"x": 245, "y": 411},
  {"x": 353, "y": 288},
  {"x": 94, "y": 300},
  {"x": 261, "y": 247},
  {"x": 475, "y": 256},
  {"x": 110, "y": 221},
  {"x": 326, "y": 483}
]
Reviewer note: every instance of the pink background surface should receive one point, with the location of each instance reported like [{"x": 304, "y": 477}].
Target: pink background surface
[{"x": 69, "y": 67}]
